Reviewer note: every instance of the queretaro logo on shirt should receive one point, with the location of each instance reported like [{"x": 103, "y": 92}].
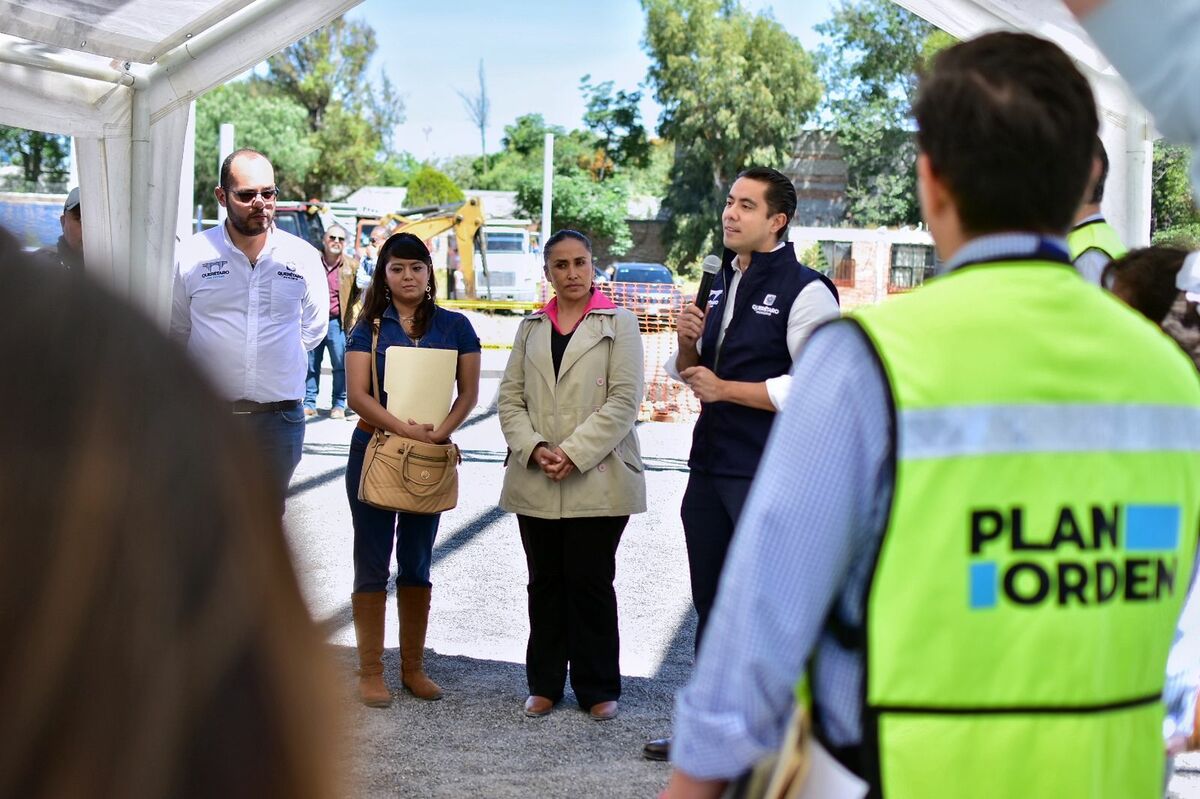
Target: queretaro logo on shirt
[
  {"x": 213, "y": 270},
  {"x": 289, "y": 271}
]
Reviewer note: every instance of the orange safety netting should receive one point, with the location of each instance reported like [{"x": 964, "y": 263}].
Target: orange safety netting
[{"x": 657, "y": 307}]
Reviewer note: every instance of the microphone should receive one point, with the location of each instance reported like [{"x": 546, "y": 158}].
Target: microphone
[{"x": 711, "y": 266}]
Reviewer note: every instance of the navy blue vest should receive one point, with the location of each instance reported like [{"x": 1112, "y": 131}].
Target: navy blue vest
[{"x": 729, "y": 438}]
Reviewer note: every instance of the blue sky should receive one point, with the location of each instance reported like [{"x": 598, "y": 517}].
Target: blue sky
[{"x": 534, "y": 54}]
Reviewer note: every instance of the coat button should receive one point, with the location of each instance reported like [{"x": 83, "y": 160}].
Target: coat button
[
  {"x": 602, "y": 468},
  {"x": 599, "y": 381}
]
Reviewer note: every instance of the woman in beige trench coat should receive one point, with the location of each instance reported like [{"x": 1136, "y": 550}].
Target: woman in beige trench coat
[{"x": 568, "y": 404}]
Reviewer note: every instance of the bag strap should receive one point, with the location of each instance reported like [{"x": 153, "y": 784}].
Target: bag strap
[{"x": 375, "y": 370}]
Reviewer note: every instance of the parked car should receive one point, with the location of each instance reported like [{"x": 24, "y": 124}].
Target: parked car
[
  {"x": 648, "y": 290},
  {"x": 301, "y": 219}
]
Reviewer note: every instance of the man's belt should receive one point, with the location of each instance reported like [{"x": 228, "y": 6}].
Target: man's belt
[{"x": 243, "y": 406}]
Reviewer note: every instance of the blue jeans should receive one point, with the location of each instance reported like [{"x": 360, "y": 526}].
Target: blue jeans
[
  {"x": 335, "y": 341},
  {"x": 375, "y": 530},
  {"x": 280, "y": 437}
]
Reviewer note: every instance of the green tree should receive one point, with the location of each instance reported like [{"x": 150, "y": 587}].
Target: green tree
[
  {"x": 735, "y": 89},
  {"x": 596, "y": 209},
  {"x": 350, "y": 122},
  {"x": 869, "y": 67},
  {"x": 270, "y": 123},
  {"x": 431, "y": 187},
  {"x": 1171, "y": 203},
  {"x": 615, "y": 119},
  {"x": 42, "y": 157}
]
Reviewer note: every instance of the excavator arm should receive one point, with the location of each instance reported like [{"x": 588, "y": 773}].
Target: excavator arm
[{"x": 465, "y": 220}]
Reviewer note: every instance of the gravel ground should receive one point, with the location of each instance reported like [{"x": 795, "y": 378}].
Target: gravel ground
[{"x": 476, "y": 741}]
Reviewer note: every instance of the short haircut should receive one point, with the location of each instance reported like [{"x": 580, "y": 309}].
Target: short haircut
[
  {"x": 563, "y": 235},
  {"x": 334, "y": 227},
  {"x": 1008, "y": 124},
  {"x": 227, "y": 164},
  {"x": 1145, "y": 280},
  {"x": 781, "y": 193},
  {"x": 1098, "y": 191}
]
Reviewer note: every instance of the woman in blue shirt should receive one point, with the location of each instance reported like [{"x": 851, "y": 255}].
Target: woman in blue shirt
[{"x": 401, "y": 298}]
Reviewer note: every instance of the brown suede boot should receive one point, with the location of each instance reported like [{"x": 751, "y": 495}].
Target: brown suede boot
[
  {"x": 369, "y": 613},
  {"x": 413, "y": 602}
]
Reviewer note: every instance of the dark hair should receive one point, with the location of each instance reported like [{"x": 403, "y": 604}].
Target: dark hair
[
  {"x": 781, "y": 193},
  {"x": 227, "y": 164},
  {"x": 1145, "y": 280},
  {"x": 378, "y": 298},
  {"x": 1098, "y": 190},
  {"x": 162, "y": 647},
  {"x": 563, "y": 235},
  {"x": 1008, "y": 124}
]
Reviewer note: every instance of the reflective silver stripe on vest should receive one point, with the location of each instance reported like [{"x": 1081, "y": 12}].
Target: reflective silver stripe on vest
[{"x": 961, "y": 431}]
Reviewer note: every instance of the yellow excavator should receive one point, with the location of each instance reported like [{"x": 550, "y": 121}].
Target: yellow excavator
[{"x": 465, "y": 219}]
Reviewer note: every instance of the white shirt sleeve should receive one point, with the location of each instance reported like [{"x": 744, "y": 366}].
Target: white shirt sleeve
[
  {"x": 812, "y": 307},
  {"x": 181, "y": 309},
  {"x": 314, "y": 312},
  {"x": 1090, "y": 265},
  {"x": 361, "y": 278}
]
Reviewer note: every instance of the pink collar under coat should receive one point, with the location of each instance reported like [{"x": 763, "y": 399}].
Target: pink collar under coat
[{"x": 598, "y": 302}]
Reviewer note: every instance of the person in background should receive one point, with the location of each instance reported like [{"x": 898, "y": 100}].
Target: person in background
[
  {"x": 737, "y": 357},
  {"x": 340, "y": 271},
  {"x": 400, "y": 304},
  {"x": 249, "y": 302},
  {"x": 154, "y": 641},
  {"x": 951, "y": 475},
  {"x": 366, "y": 267},
  {"x": 68, "y": 252},
  {"x": 568, "y": 406},
  {"x": 1093, "y": 242}
]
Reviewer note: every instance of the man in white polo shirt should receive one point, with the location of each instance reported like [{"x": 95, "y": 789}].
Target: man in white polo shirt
[{"x": 249, "y": 302}]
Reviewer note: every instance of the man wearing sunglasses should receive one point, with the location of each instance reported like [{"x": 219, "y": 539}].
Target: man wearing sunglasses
[
  {"x": 249, "y": 302},
  {"x": 340, "y": 271}
]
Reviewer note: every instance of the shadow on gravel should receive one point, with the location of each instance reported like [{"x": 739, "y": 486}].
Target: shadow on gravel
[
  {"x": 477, "y": 742},
  {"x": 447, "y": 544}
]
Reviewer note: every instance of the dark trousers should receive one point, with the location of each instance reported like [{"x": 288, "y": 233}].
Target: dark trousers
[
  {"x": 280, "y": 437},
  {"x": 573, "y": 607},
  {"x": 375, "y": 529},
  {"x": 710, "y": 510}
]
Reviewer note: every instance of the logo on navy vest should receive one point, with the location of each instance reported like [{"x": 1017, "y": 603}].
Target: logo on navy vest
[
  {"x": 1086, "y": 556},
  {"x": 714, "y": 297},
  {"x": 213, "y": 270},
  {"x": 767, "y": 307}
]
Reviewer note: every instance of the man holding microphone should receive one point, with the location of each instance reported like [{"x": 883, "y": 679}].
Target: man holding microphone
[{"x": 736, "y": 355}]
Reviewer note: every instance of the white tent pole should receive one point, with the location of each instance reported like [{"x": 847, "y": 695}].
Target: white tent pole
[
  {"x": 547, "y": 188},
  {"x": 187, "y": 178},
  {"x": 226, "y": 148}
]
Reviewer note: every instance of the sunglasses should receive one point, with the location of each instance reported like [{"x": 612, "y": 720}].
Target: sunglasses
[
  {"x": 249, "y": 195},
  {"x": 336, "y": 238}
]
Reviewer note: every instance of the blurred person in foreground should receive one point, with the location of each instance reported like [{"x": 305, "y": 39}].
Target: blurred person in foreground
[
  {"x": 1162, "y": 284},
  {"x": 568, "y": 406},
  {"x": 249, "y": 303},
  {"x": 401, "y": 302},
  {"x": 154, "y": 642},
  {"x": 974, "y": 524},
  {"x": 340, "y": 269}
]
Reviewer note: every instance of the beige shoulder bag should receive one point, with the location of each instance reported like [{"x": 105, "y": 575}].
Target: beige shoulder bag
[{"x": 402, "y": 474}]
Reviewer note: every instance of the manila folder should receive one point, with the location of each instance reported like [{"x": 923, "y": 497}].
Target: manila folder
[{"x": 419, "y": 382}]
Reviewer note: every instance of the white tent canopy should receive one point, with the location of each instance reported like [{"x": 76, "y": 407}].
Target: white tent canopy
[
  {"x": 1125, "y": 126},
  {"x": 120, "y": 76}
]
